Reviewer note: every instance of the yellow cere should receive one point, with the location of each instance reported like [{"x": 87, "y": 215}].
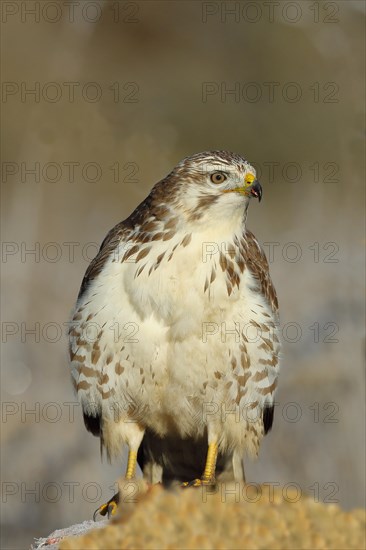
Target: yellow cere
[{"x": 249, "y": 178}]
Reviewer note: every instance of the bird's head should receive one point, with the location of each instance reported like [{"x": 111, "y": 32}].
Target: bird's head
[{"x": 213, "y": 185}]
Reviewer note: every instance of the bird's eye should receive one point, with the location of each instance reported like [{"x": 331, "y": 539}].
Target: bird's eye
[{"x": 218, "y": 177}]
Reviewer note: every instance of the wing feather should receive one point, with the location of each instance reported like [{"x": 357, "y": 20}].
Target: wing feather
[
  {"x": 258, "y": 265},
  {"x": 110, "y": 243}
]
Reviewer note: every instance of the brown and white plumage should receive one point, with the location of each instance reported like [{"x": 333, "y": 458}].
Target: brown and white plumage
[{"x": 175, "y": 330}]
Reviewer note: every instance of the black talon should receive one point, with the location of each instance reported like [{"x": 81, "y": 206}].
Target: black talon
[{"x": 108, "y": 508}]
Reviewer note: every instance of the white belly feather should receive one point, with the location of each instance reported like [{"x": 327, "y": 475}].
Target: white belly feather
[{"x": 177, "y": 351}]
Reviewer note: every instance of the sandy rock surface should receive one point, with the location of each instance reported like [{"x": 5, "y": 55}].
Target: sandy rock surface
[{"x": 234, "y": 517}]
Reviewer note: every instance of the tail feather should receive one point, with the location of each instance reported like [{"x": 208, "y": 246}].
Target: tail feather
[
  {"x": 268, "y": 414},
  {"x": 92, "y": 423}
]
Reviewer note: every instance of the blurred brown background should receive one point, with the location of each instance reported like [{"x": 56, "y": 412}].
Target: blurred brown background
[{"x": 121, "y": 92}]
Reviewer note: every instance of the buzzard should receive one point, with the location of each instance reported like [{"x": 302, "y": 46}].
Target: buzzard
[{"x": 174, "y": 340}]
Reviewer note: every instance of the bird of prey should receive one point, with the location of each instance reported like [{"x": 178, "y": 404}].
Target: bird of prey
[{"x": 174, "y": 340}]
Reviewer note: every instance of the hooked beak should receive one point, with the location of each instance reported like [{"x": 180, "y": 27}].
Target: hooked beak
[
  {"x": 255, "y": 190},
  {"x": 252, "y": 188}
]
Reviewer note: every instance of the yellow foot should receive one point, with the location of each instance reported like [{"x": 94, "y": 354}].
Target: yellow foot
[
  {"x": 108, "y": 509},
  {"x": 199, "y": 482}
]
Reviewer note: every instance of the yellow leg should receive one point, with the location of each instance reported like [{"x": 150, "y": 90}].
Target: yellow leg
[
  {"x": 131, "y": 465},
  {"x": 208, "y": 476},
  {"x": 110, "y": 507},
  {"x": 210, "y": 468}
]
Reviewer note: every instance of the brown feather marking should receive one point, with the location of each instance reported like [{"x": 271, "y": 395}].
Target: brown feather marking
[
  {"x": 95, "y": 353},
  {"x": 83, "y": 344},
  {"x": 231, "y": 250},
  {"x": 144, "y": 252},
  {"x": 78, "y": 358},
  {"x": 187, "y": 239},
  {"x": 241, "y": 264},
  {"x": 245, "y": 360},
  {"x": 223, "y": 261},
  {"x": 258, "y": 265},
  {"x": 88, "y": 372},
  {"x": 103, "y": 378},
  {"x": 268, "y": 362},
  {"x": 149, "y": 226},
  {"x": 171, "y": 224},
  {"x": 269, "y": 389},
  {"x": 169, "y": 235},
  {"x": 118, "y": 368},
  {"x": 264, "y": 346},
  {"x": 240, "y": 395},
  {"x": 157, "y": 236},
  {"x": 243, "y": 379},
  {"x": 130, "y": 252},
  {"x": 260, "y": 375},
  {"x": 160, "y": 257},
  {"x": 83, "y": 385},
  {"x": 106, "y": 394},
  {"x": 268, "y": 342},
  {"x": 140, "y": 270}
]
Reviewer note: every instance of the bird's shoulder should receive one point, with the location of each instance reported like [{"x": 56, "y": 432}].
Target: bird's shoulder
[
  {"x": 110, "y": 242},
  {"x": 257, "y": 263},
  {"x": 118, "y": 234}
]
